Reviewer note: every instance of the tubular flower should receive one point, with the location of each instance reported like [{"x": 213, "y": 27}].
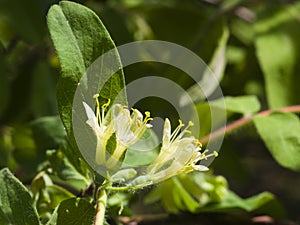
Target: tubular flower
[
  {"x": 128, "y": 128},
  {"x": 178, "y": 154},
  {"x": 103, "y": 128}
]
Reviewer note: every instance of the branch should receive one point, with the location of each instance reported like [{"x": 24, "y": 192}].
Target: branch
[
  {"x": 101, "y": 207},
  {"x": 245, "y": 120}
]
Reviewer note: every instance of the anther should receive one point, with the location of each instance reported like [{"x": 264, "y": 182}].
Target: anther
[
  {"x": 106, "y": 104},
  {"x": 95, "y": 95}
]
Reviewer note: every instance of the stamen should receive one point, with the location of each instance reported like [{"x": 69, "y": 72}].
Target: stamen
[
  {"x": 185, "y": 131},
  {"x": 181, "y": 124},
  {"x": 106, "y": 104},
  {"x": 191, "y": 124},
  {"x": 198, "y": 143},
  {"x": 204, "y": 156},
  {"x": 98, "y": 107},
  {"x": 95, "y": 95},
  {"x": 147, "y": 117},
  {"x": 147, "y": 113}
]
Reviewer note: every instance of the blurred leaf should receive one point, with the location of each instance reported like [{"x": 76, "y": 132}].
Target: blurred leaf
[
  {"x": 182, "y": 198},
  {"x": 16, "y": 204},
  {"x": 65, "y": 171},
  {"x": 230, "y": 4},
  {"x": 43, "y": 91},
  {"x": 6, "y": 149},
  {"x": 277, "y": 47},
  {"x": 79, "y": 38},
  {"x": 6, "y": 34},
  {"x": 48, "y": 132},
  {"x": 119, "y": 204},
  {"x": 4, "y": 87},
  {"x": 73, "y": 211},
  {"x": 205, "y": 112},
  {"x": 243, "y": 31},
  {"x": 47, "y": 195},
  {"x": 216, "y": 68},
  {"x": 30, "y": 23},
  {"x": 241, "y": 104},
  {"x": 198, "y": 192},
  {"x": 189, "y": 192},
  {"x": 25, "y": 151},
  {"x": 235, "y": 54},
  {"x": 77, "y": 162},
  {"x": 144, "y": 151},
  {"x": 264, "y": 202},
  {"x": 281, "y": 134}
]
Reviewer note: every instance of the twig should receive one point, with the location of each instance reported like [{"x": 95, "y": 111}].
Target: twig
[
  {"x": 245, "y": 120},
  {"x": 101, "y": 207}
]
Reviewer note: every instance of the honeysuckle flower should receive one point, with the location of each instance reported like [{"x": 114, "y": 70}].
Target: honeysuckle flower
[
  {"x": 103, "y": 128},
  {"x": 178, "y": 154},
  {"x": 128, "y": 128}
]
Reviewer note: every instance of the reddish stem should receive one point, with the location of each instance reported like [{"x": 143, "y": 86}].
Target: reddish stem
[{"x": 245, "y": 120}]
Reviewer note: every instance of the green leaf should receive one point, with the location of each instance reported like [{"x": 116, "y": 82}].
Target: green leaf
[
  {"x": 65, "y": 171},
  {"x": 277, "y": 47},
  {"x": 182, "y": 198},
  {"x": 231, "y": 4},
  {"x": 281, "y": 134},
  {"x": 43, "y": 100},
  {"x": 73, "y": 211},
  {"x": 189, "y": 192},
  {"x": 245, "y": 105},
  {"x": 29, "y": 24},
  {"x": 47, "y": 195},
  {"x": 264, "y": 202},
  {"x": 25, "y": 151},
  {"x": 16, "y": 203},
  {"x": 216, "y": 66},
  {"x": 144, "y": 151},
  {"x": 4, "y": 87},
  {"x": 48, "y": 132},
  {"x": 80, "y": 38},
  {"x": 242, "y": 104}
]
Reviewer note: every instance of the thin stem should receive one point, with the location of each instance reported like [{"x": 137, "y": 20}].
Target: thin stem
[
  {"x": 101, "y": 206},
  {"x": 128, "y": 188},
  {"x": 245, "y": 120}
]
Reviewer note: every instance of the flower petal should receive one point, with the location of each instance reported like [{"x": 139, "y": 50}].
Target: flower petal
[
  {"x": 166, "y": 133},
  {"x": 92, "y": 119}
]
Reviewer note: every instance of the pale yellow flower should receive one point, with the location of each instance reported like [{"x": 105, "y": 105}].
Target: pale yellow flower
[
  {"x": 102, "y": 127},
  {"x": 180, "y": 153},
  {"x": 128, "y": 128}
]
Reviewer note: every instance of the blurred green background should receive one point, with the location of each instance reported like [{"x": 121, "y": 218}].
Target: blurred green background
[{"x": 256, "y": 43}]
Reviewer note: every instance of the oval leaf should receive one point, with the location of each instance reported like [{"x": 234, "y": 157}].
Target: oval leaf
[
  {"x": 281, "y": 134},
  {"x": 73, "y": 211},
  {"x": 16, "y": 204},
  {"x": 80, "y": 38}
]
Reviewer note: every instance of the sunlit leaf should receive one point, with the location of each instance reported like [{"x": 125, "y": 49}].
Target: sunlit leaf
[
  {"x": 281, "y": 134},
  {"x": 73, "y": 211},
  {"x": 79, "y": 38},
  {"x": 16, "y": 203},
  {"x": 241, "y": 104}
]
